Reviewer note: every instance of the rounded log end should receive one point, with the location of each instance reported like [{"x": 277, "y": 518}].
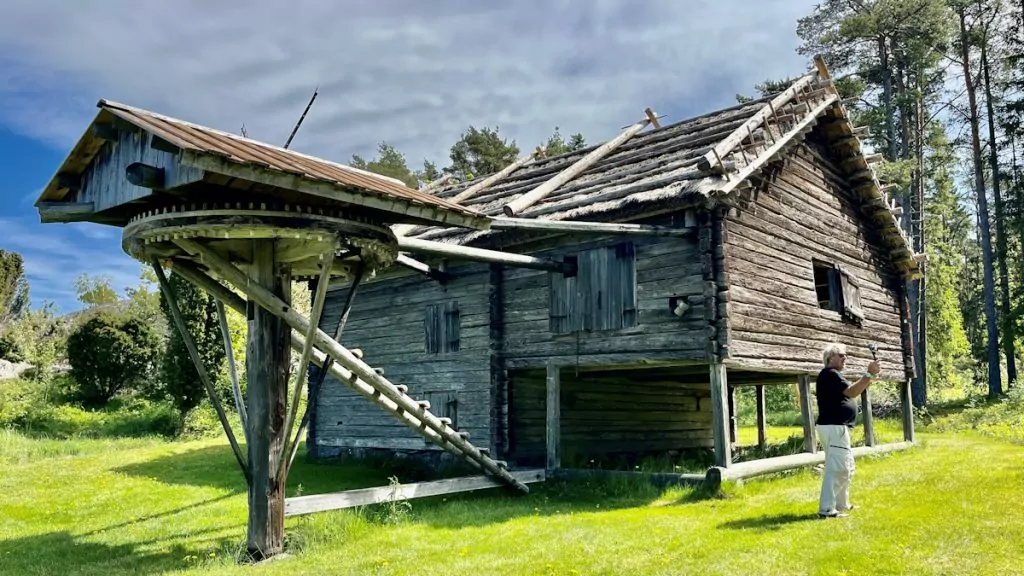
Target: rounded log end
[{"x": 508, "y": 211}]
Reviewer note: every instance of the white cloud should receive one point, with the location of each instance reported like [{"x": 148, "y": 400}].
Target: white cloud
[{"x": 412, "y": 72}]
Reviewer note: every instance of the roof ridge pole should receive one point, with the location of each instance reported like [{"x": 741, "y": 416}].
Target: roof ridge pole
[{"x": 533, "y": 196}]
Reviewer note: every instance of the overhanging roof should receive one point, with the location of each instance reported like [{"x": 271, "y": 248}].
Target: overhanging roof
[
  {"x": 695, "y": 162},
  {"x": 226, "y": 154}
]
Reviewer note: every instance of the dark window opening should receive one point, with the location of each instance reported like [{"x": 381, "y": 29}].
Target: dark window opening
[
  {"x": 837, "y": 291},
  {"x": 442, "y": 323},
  {"x": 826, "y": 286}
]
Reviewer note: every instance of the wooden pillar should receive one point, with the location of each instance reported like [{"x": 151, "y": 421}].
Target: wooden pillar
[
  {"x": 733, "y": 424},
  {"x": 719, "y": 414},
  {"x": 807, "y": 413},
  {"x": 553, "y": 422},
  {"x": 869, "y": 418},
  {"x": 907, "y": 400},
  {"x": 762, "y": 428},
  {"x": 267, "y": 366}
]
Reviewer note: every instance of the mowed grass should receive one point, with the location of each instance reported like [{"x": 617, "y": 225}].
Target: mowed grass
[{"x": 146, "y": 506}]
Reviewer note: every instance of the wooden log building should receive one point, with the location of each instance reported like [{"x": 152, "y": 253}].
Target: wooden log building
[{"x": 734, "y": 247}]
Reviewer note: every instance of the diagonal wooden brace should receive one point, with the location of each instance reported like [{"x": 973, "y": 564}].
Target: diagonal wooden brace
[
  {"x": 198, "y": 278},
  {"x": 316, "y": 310},
  {"x": 385, "y": 390},
  {"x": 229, "y": 355},
  {"x": 190, "y": 344},
  {"x": 317, "y": 385}
]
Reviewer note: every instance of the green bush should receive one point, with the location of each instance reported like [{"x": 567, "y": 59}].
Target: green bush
[
  {"x": 202, "y": 422},
  {"x": 10, "y": 349},
  {"x": 36, "y": 409},
  {"x": 112, "y": 352}
]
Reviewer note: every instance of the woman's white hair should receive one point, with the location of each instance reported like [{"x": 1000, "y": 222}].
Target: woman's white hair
[{"x": 833, "y": 349}]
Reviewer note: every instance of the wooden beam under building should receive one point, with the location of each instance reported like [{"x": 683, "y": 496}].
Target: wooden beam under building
[
  {"x": 807, "y": 413},
  {"x": 300, "y": 505},
  {"x": 719, "y": 414}
]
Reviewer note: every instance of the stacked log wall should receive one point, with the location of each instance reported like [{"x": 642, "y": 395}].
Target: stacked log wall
[
  {"x": 625, "y": 412},
  {"x": 804, "y": 210}
]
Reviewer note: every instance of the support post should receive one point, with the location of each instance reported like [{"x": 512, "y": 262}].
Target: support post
[
  {"x": 762, "y": 428},
  {"x": 807, "y": 413},
  {"x": 553, "y": 423},
  {"x": 869, "y": 418},
  {"x": 719, "y": 417},
  {"x": 267, "y": 369},
  {"x": 732, "y": 418},
  {"x": 906, "y": 399}
]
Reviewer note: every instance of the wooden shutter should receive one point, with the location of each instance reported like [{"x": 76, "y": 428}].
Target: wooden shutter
[
  {"x": 432, "y": 327},
  {"x": 625, "y": 259},
  {"x": 452, "y": 324},
  {"x": 851, "y": 296},
  {"x": 441, "y": 323}
]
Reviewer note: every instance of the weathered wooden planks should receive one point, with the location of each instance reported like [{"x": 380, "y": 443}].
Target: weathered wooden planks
[
  {"x": 299, "y": 505},
  {"x": 603, "y": 413},
  {"x": 806, "y": 213}
]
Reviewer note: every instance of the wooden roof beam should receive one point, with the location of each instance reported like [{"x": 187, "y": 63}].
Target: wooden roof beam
[
  {"x": 723, "y": 148},
  {"x": 459, "y": 252},
  {"x": 540, "y": 192},
  {"x": 50, "y": 212},
  {"x": 406, "y": 261},
  {"x": 571, "y": 227}
]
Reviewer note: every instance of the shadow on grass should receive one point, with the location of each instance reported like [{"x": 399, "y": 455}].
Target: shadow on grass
[
  {"x": 215, "y": 467},
  {"x": 64, "y": 553},
  {"x": 765, "y": 523}
]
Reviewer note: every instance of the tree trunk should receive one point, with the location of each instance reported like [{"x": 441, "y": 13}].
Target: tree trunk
[
  {"x": 1009, "y": 335},
  {"x": 267, "y": 370},
  {"x": 995, "y": 385},
  {"x": 887, "y": 104},
  {"x": 919, "y": 385}
]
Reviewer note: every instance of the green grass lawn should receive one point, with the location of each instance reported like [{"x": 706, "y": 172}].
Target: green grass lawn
[{"x": 144, "y": 506}]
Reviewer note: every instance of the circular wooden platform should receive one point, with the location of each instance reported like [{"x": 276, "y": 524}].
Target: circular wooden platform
[{"x": 304, "y": 235}]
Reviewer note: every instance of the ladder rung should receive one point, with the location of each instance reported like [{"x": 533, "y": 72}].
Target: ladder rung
[
  {"x": 446, "y": 421},
  {"x": 402, "y": 388},
  {"x": 379, "y": 371},
  {"x": 464, "y": 435},
  {"x": 502, "y": 464},
  {"x": 424, "y": 404}
]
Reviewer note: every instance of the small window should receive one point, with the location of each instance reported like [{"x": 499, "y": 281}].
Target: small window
[
  {"x": 837, "y": 291},
  {"x": 441, "y": 323},
  {"x": 601, "y": 295},
  {"x": 826, "y": 286}
]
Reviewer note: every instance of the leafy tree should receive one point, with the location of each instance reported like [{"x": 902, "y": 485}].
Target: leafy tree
[
  {"x": 13, "y": 287},
  {"x": 556, "y": 144},
  {"x": 199, "y": 312},
  {"x": 112, "y": 352},
  {"x": 430, "y": 172},
  {"x": 946, "y": 228},
  {"x": 389, "y": 162},
  {"x": 479, "y": 152},
  {"x": 95, "y": 290}
]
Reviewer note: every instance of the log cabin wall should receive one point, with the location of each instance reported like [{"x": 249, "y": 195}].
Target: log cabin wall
[
  {"x": 544, "y": 312},
  {"x": 433, "y": 338},
  {"x": 803, "y": 221},
  {"x": 606, "y": 413}
]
